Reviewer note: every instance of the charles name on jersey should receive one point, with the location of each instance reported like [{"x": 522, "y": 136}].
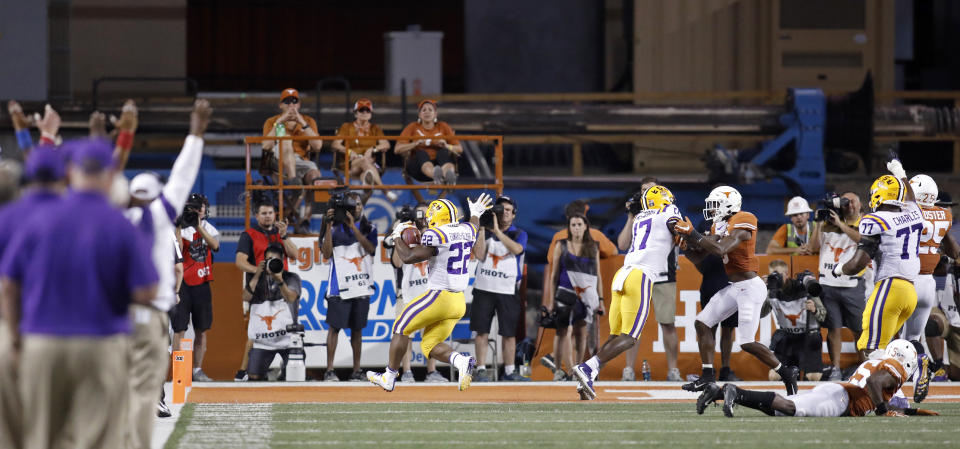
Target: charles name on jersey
[{"x": 908, "y": 217}]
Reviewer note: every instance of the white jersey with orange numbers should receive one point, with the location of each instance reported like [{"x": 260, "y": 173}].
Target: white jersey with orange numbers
[
  {"x": 936, "y": 225},
  {"x": 860, "y": 402},
  {"x": 652, "y": 240},
  {"x": 448, "y": 269},
  {"x": 900, "y": 235}
]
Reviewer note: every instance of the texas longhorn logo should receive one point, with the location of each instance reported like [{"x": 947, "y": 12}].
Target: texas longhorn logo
[
  {"x": 269, "y": 319},
  {"x": 837, "y": 252},
  {"x": 497, "y": 259},
  {"x": 422, "y": 266},
  {"x": 580, "y": 290},
  {"x": 356, "y": 261},
  {"x": 792, "y": 318}
]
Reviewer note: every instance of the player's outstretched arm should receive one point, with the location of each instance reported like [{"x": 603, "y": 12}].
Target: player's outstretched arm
[
  {"x": 896, "y": 169},
  {"x": 867, "y": 249},
  {"x": 715, "y": 247},
  {"x": 875, "y": 385}
]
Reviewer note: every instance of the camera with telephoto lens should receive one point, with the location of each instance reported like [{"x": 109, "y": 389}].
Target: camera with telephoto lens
[
  {"x": 342, "y": 203},
  {"x": 409, "y": 213},
  {"x": 801, "y": 286},
  {"x": 486, "y": 218},
  {"x": 830, "y": 202},
  {"x": 547, "y": 319},
  {"x": 275, "y": 265},
  {"x": 636, "y": 203}
]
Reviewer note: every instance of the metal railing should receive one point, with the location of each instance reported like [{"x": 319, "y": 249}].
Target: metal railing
[{"x": 281, "y": 187}]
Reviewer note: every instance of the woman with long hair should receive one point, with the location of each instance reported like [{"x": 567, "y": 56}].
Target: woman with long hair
[
  {"x": 364, "y": 142},
  {"x": 574, "y": 290}
]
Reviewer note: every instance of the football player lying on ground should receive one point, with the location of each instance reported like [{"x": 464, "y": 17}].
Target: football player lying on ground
[{"x": 869, "y": 389}]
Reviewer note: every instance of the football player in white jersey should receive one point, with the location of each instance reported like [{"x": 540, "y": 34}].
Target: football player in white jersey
[
  {"x": 652, "y": 242},
  {"x": 447, "y": 245},
  {"x": 868, "y": 390},
  {"x": 891, "y": 237}
]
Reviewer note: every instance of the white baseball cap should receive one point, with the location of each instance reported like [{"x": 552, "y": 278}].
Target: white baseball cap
[
  {"x": 145, "y": 186},
  {"x": 797, "y": 205}
]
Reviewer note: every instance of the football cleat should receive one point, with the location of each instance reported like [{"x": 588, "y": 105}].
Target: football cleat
[
  {"x": 585, "y": 377},
  {"x": 729, "y": 399},
  {"x": 162, "y": 410},
  {"x": 922, "y": 386},
  {"x": 381, "y": 380},
  {"x": 698, "y": 385},
  {"x": 789, "y": 375},
  {"x": 710, "y": 395},
  {"x": 465, "y": 372},
  {"x": 582, "y": 393},
  {"x": 940, "y": 375}
]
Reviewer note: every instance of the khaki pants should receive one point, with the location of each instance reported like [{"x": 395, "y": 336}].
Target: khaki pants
[
  {"x": 77, "y": 390},
  {"x": 10, "y": 411},
  {"x": 148, "y": 370}
]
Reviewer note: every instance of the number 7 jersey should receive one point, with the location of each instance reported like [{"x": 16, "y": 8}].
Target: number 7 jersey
[
  {"x": 899, "y": 234},
  {"x": 652, "y": 240},
  {"x": 448, "y": 268}
]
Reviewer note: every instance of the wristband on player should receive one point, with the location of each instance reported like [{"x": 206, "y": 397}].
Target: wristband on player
[
  {"x": 125, "y": 140},
  {"x": 23, "y": 139},
  {"x": 47, "y": 139},
  {"x": 881, "y": 409}
]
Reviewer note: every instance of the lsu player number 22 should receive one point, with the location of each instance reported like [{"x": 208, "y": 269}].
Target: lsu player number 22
[{"x": 446, "y": 244}]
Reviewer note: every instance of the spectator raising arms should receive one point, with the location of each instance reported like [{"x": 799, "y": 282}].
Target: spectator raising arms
[
  {"x": 362, "y": 146},
  {"x": 430, "y": 158}
]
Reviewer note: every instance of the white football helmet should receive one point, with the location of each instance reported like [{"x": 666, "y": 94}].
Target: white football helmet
[
  {"x": 722, "y": 202},
  {"x": 905, "y": 353},
  {"x": 925, "y": 189}
]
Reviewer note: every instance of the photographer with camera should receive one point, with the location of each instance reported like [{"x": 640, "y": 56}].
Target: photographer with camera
[
  {"x": 272, "y": 294},
  {"x": 799, "y": 312},
  {"x": 791, "y": 238},
  {"x": 843, "y": 296},
  {"x": 413, "y": 284},
  {"x": 199, "y": 240},
  {"x": 499, "y": 250},
  {"x": 349, "y": 241},
  {"x": 250, "y": 252}
]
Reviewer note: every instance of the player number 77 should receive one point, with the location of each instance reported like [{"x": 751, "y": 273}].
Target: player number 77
[{"x": 906, "y": 232}]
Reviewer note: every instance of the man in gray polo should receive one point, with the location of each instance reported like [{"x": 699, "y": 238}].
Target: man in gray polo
[{"x": 68, "y": 277}]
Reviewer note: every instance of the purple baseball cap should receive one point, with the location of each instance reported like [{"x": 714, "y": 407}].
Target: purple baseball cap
[
  {"x": 90, "y": 155},
  {"x": 45, "y": 164}
]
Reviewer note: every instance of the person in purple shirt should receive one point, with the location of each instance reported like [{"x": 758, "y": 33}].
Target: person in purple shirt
[
  {"x": 44, "y": 171},
  {"x": 68, "y": 276}
]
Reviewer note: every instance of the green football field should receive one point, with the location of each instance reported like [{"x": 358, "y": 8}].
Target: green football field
[{"x": 558, "y": 425}]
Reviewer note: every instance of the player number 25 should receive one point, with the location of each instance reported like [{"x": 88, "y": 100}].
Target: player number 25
[{"x": 457, "y": 263}]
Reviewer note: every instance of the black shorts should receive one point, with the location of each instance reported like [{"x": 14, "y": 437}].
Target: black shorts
[
  {"x": 196, "y": 302},
  {"x": 705, "y": 296},
  {"x": 420, "y": 157},
  {"x": 844, "y": 306},
  {"x": 348, "y": 313},
  {"x": 802, "y": 350},
  {"x": 260, "y": 360},
  {"x": 507, "y": 308}
]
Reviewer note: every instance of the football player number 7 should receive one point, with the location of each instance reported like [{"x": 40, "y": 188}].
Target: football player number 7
[
  {"x": 906, "y": 232},
  {"x": 641, "y": 243}
]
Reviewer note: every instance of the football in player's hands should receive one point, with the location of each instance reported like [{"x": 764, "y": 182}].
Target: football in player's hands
[
  {"x": 894, "y": 414},
  {"x": 398, "y": 230},
  {"x": 410, "y": 236}
]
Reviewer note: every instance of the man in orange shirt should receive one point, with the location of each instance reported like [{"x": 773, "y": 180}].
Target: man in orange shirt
[
  {"x": 295, "y": 154},
  {"x": 430, "y": 158},
  {"x": 792, "y": 237},
  {"x": 733, "y": 237}
]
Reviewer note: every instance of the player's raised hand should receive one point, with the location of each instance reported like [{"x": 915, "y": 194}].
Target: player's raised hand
[
  {"x": 684, "y": 227},
  {"x": 896, "y": 168},
  {"x": 397, "y": 231},
  {"x": 478, "y": 207}
]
